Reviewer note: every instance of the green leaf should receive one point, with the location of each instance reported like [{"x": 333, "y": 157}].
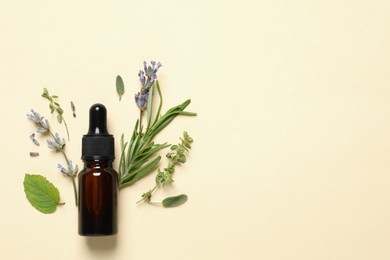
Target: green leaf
[
  {"x": 59, "y": 118},
  {"x": 182, "y": 158},
  {"x": 41, "y": 193},
  {"x": 175, "y": 201},
  {"x": 59, "y": 110},
  {"x": 45, "y": 92},
  {"x": 120, "y": 87},
  {"x": 130, "y": 179},
  {"x": 161, "y": 102},
  {"x": 149, "y": 108}
]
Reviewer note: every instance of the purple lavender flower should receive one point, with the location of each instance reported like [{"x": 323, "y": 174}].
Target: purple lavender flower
[
  {"x": 36, "y": 118},
  {"x": 141, "y": 99},
  {"x": 57, "y": 143},
  {"x": 147, "y": 78},
  {"x": 141, "y": 76},
  {"x": 32, "y": 137},
  {"x": 149, "y": 74},
  {"x": 70, "y": 170}
]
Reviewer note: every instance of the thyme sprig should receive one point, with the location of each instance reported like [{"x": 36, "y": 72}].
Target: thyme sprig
[
  {"x": 56, "y": 143},
  {"x": 55, "y": 106},
  {"x": 176, "y": 157}
]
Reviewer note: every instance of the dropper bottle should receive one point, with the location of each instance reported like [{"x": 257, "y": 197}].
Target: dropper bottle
[{"x": 98, "y": 181}]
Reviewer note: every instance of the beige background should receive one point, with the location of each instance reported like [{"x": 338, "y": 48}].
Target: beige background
[{"x": 292, "y": 138}]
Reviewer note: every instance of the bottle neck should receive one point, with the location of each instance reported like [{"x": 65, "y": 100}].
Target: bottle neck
[{"x": 98, "y": 163}]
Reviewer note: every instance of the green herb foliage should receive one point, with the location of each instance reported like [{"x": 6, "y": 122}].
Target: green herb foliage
[
  {"x": 41, "y": 193},
  {"x": 138, "y": 155},
  {"x": 120, "y": 87},
  {"x": 55, "y": 106},
  {"x": 176, "y": 156},
  {"x": 175, "y": 201}
]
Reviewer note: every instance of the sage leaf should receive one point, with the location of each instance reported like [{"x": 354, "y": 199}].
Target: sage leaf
[
  {"x": 175, "y": 201},
  {"x": 120, "y": 87},
  {"x": 41, "y": 193}
]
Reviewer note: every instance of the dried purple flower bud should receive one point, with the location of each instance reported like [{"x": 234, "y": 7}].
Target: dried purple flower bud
[
  {"x": 34, "y": 154},
  {"x": 141, "y": 99},
  {"x": 73, "y": 108},
  {"x": 141, "y": 76},
  {"x": 32, "y": 137}
]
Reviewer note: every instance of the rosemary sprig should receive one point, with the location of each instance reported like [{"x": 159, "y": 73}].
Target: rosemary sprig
[
  {"x": 55, "y": 106},
  {"x": 138, "y": 155}
]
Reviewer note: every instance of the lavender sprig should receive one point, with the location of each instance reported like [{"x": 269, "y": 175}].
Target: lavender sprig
[
  {"x": 56, "y": 143},
  {"x": 147, "y": 78}
]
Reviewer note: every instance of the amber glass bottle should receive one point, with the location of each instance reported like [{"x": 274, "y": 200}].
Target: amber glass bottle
[{"x": 98, "y": 181}]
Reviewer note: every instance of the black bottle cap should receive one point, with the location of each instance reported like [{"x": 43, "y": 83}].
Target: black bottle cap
[{"x": 98, "y": 144}]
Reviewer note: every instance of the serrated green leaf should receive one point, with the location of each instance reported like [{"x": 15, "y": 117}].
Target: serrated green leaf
[
  {"x": 41, "y": 193},
  {"x": 120, "y": 87},
  {"x": 175, "y": 201}
]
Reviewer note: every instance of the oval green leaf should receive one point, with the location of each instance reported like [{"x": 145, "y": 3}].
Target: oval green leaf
[
  {"x": 41, "y": 193},
  {"x": 175, "y": 201},
  {"x": 120, "y": 86}
]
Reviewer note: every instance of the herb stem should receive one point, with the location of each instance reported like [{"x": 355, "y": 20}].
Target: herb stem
[
  {"x": 75, "y": 190},
  {"x": 66, "y": 127},
  {"x": 73, "y": 178},
  {"x": 140, "y": 121},
  {"x": 155, "y": 203},
  {"x": 66, "y": 157}
]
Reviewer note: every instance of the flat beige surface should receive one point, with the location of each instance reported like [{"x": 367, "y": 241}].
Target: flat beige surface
[{"x": 292, "y": 138}]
